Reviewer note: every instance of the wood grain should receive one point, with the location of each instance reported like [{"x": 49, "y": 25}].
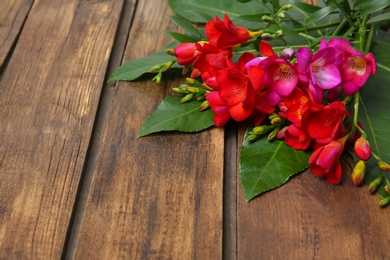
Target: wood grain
[
  {"x": 48, "y": 99},
  {"x": 158, "y": 196},
  {"x": 308, "y": 218},
  {"x": 12, "y": 16}
]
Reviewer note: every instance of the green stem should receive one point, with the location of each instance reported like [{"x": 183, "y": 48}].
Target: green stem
[
  {"x": 362, "y": 33},
  {"x": 350, "y": 31},
  {"x": 313, "y": 28},
  {"x": 356, "y": 114},
  {"x": 369, "y": 38},
  {"x": 339, "y": 28},
  {"x": 347, "y": 16}
]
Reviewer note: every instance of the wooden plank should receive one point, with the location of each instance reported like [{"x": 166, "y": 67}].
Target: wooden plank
[
  {"x": 158, "y": 196},
  {"x": 12, "y": 16},
  {"x": 48, "y": 99},
  {"x": 308, "y": 218}
]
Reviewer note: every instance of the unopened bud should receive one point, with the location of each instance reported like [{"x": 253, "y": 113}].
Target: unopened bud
[
  {"x": 252, "y": 137},
  {"x": 201, "y": 98},
  {"x": 187, "y": 98},
  {"x": 282, "y": 133},
  {"x": 268, "y": 19},
  {"x": 281, "y": 15},
  {"x": 387, "y": 188},
  {"x": 272, "y": 136},
  {"x": 267, "y": 37},
  {"x": 206, "y": 87},
  {"x": 170, "y": 51},
  {"x": 169, "y": 64},
  {"x": 362, "y": 149},
  {"x": 278, "y": 34},
  {"x": 181, "y": 89},
  {"x": 286, "y": 7},
  {"x": 276, "y": 121},
  {"x": 205, "y": 105},
  {"x": 156, "y": 68},
  {"x": 193, "y": 82},
  {"x": 158, "y": 77},
  {"x": 287, "y": 54},
  {"x": 384, "y": 202},
  {"x": 375, "y": 184},
  {"x": 262, "y": 129},
  {"x": 384, "y": 166},
  {"x": 358, "y": 173}
]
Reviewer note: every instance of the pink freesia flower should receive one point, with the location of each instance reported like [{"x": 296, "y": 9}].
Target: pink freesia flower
[
  {"x": 355, "y": 67},
  {"x": 320, "y": 71}
]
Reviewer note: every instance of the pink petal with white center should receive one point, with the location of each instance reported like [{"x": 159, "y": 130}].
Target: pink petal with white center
[{"x": 328, "y": 77}]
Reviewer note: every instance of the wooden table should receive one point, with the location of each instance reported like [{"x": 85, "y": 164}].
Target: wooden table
[{"x": 77, "y": 183}]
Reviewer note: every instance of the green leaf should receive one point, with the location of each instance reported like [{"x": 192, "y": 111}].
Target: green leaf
[
  {"x": 188, "y": 27},
  {"x": 267, "y": 165},
  {"x": 181, "y": 37},
  {"x": 234, "y": 9},
  {"x": 369, "y": 7},
  {"x": 374, "y": 112},
  {"x": 172, "y": 115},
  {"x": 133, "y": 69},
  {"x": 318, "y": 15},
  {"x": 308, "y": 8},
  {"x": 378, "y": 18}
]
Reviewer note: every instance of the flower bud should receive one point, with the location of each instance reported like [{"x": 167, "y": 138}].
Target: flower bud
[
  {"x": 205, "y": 105},
  {"x": 358, "y": 173},
  {"x": 170, "y": 51},
  {"x": 201, "y": 98},
  {"x": 384, "y": 166},
  {"x": 156, "y": 68},
  {"x": 287, "y": 54},
  {"x": 286, "y": 7},
  {"x": 252, "y": 137},
  {"x": 384, "y": 202},
  {"x": 362, "y": 149},
  {"x": 282, "y": 133},
  {"x": 279, "y": 34},
  {"x": 272, "y": 136},
  {"x": 375, "y": 184},
  {"x": 187, "y": 98},
  {"x": 267, "y": 19},
  {"x": 387, "y": 188},
  {"x": 262, "y": 129},
  {"x": 169, "y": 64},
  {"x": 276, "y": 121},
  {"x": 158, "y": 77},
  {"x": 281, "y": 15},
  {"x": 267, "y": 37}
]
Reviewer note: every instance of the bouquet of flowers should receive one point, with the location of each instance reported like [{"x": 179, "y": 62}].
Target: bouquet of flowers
[{"x": 300, "y": 73}]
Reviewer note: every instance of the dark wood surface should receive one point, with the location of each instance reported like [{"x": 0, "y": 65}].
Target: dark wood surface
[{"x": 76, "y": 183}]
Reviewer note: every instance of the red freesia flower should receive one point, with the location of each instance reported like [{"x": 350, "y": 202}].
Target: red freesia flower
[
  {"x": 186, "y": 53},
  {"x": 236, "y": 92},
  {"x": 224, "y": 34},
  {"x": 324, "y": 123},
  {"x": 325, "y": 161},
  {"x": 297, "y": 138}
]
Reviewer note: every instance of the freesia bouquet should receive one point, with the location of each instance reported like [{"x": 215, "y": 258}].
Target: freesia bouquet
[{"x": 298, "y": 72}]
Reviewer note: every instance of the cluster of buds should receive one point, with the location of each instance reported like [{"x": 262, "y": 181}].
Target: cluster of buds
[
  {"x": 273, "y": 130},
  {"x": 194, "y": 90}
]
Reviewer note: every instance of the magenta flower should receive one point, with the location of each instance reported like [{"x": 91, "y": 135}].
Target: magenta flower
[
  {"x": 320, "y": 71},
  {"x": 355, "y": 67}
]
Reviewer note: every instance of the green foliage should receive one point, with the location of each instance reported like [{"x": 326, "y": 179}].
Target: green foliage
[
  {"x": 133, "y": 69},
  {"x": 267, "y": 165},
  {"x": 172, "y": 115},
  {"x": 374, "y": 112},
  {"x": 234, "y": 9}
]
